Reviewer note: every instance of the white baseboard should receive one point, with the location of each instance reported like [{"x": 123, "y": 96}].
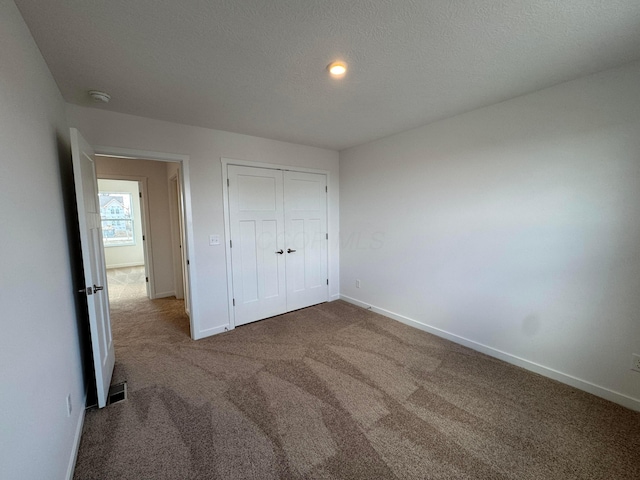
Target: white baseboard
[
  {"x": 164, "y": 295},
  {"x": 335, "y": 297},
  {"x": 76, "y": 442},
  {"x": 616, "y": 397},
  {"x": 125, "y": 265}
]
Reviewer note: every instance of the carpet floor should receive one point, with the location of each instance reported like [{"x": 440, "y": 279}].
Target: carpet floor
[
  {"x": 338, "y": 392},
  {"x": 126, "y": 284}
]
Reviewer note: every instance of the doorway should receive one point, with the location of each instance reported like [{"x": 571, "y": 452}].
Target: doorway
[
  {"x": 123, "y": 236},
  {"x": 140, "y": 206}
]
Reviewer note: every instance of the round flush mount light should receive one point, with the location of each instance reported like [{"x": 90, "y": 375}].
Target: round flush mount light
[
  {"x": 98, "y": 96},
  {"x": 337, "y": 69}
]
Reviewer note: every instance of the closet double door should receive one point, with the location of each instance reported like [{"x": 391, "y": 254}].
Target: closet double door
[{"x": 278, "y": 225}]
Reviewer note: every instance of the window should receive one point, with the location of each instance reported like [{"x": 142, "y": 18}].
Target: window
[{"x": 116, "y": 210}]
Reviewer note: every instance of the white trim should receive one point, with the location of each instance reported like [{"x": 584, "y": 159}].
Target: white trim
[
  {"x": 184, "y": 252},
  {"x": 227, "y": 226},
  {"x": 166, "y": 294},
  {"x": 227, "y": 247},
  {"x": 176, "y": 250},
  {"x": 599, "y": 391},
  {"x": 273, "y": 166},
  {"x": 125, "y": 265},
  {"x": 335, "y": 297},
  {"x": 147, "y": 243},
  {"x": 194, "y": 318},
  {"x": 76, "y": 442},
  {"x": 133, "y": 154}
]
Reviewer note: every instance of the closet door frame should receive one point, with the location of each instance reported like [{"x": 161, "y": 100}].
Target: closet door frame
[{"x": 227, "y": 226}]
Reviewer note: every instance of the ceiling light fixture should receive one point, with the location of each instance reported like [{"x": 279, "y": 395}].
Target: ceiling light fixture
[
  {"x": 337, "y": 69},
  {"x": 98, "y": 96}
]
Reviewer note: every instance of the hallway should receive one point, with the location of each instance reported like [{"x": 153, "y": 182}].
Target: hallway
[{"x": 137, "y": 322}]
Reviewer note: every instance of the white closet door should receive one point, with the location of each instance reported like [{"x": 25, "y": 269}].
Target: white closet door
[
  {"x": 256, "y": 215},
  {"x": 305, "y": 212}
]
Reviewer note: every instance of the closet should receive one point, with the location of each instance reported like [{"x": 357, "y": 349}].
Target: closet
[{"x": 278, "y": 244}]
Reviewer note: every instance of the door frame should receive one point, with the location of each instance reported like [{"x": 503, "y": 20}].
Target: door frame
[
  {"x": 147, "y": 245},
  {"x": 189, "y": 247},
  {"x": 227, "y": 221},
  {"x": 177, "y": 238}
]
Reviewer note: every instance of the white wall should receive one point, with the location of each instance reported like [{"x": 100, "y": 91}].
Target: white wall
[
  {"x": 160, "y": 226},
  {"x": 205, "y": 149},
  {"x": 40, "y": 361},
  {"x": 125, "y": 255},
  {"x": 515, "y": 226}
]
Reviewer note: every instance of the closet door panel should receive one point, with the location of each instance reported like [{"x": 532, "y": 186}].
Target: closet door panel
[
  {"x": 295, "y": 236},
  {"x": 273, "y": 287},
  {"x": 305, "y": 211},
  {"x": 248, "y": 260},
  {"x": 256, "y": 220},
  {"x": 315, "y": 275}
]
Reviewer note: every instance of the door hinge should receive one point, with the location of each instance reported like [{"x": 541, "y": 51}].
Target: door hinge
[
  {"x": 187, "y": 262},
  {"x": 234, "y": 302},
  {"x": 228, "y": 183},
  {"x": 230, "y": 244},
  {"x": 146, "y": 279},
  {"x": 327, "y": 281},
  {"x": 140, "y": 194},
  {"x": 327, "y": 236},
  {"x": 326, "y": 188}
]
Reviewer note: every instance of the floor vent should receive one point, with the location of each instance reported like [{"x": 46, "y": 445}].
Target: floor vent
[{"x": 117, "y": 393}]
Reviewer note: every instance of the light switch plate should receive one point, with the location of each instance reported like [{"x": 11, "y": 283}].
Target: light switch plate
[{"x": 214, "y": 239}]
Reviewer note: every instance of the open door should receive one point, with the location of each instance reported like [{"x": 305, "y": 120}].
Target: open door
[
  {"x": 95, "y": 276},
  {"x": 183, "y": 241}
]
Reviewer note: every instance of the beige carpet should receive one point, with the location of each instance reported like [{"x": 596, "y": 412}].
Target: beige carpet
[
  {"x": 338, "y": 392},
  {"x": 126, "y": 284}
]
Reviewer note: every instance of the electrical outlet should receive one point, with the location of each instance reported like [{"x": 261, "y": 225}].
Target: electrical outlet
[
  {"x": 357, "y": 283},
  {"x": 636, "y": 362},
  {"x": 69, "y": 406}
]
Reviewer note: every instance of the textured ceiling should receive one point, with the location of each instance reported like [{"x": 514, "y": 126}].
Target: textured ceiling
[{"x": 258, "y": 66}]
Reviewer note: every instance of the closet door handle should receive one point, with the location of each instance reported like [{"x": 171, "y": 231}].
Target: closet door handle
[
  {"x": 280, "y": 252},
  {"x": 290, "y": 251}
]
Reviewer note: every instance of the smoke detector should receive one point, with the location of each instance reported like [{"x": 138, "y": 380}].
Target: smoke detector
[{"x": 98, "y": 96}]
